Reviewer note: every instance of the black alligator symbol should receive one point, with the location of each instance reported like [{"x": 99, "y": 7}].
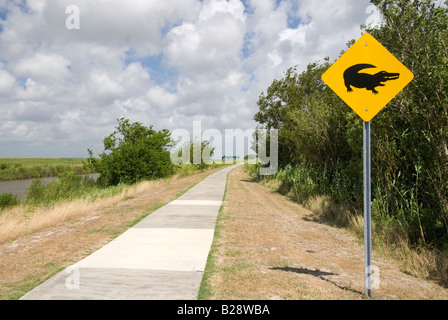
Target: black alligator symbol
[{"x": 352, "y": 77}]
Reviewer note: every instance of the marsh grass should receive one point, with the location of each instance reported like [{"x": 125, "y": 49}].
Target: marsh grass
[
  {"x": 8, "y": 200},
  {"x": 30, "y": 168}
]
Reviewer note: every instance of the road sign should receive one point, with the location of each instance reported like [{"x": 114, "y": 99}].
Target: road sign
[{"x": 367, "y": 77}]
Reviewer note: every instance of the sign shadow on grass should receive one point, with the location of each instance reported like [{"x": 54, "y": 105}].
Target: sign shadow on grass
[{"x": 318, "y": 274}]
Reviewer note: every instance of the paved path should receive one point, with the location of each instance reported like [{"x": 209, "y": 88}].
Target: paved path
[{"x": 162, "y": 257}]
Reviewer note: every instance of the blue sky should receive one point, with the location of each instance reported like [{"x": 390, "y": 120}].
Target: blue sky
[
  {"x": 162, "y": 75},
  {"x": 163, "y": 63}
]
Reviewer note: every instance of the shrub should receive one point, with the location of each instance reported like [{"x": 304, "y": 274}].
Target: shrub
[
  {"x": 8, "y": 200},
  {"x": 68, "y": 186},
  {"x": 35, "y": 192},
  {"x": 133, "y": 153}
]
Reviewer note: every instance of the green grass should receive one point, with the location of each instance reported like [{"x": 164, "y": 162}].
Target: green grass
[
  {"x": 205, "y": 290},
  {"x": 8, "y": 200},
  {"x": 29, "y": 168},
  {"x": 69, "y": 186},
  {"x": 42, "y": 161},
  {"x": 19, "y": 288}
]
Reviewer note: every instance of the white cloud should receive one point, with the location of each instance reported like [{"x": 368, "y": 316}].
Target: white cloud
[
  {"x": 117, "y": 23},
  {"x": 21, "y": 34},
  {"x": 212, "y": 44},
  {"x": 7, "y": 82},
  {"x": 162, "y": 99},
  {"x": 43, "y": 67}
]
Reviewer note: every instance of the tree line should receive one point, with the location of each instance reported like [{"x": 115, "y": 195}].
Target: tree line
[{"x": 320, "y": 137}]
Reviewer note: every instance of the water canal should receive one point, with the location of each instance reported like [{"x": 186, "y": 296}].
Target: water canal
[{"x": 19, "y": 187}]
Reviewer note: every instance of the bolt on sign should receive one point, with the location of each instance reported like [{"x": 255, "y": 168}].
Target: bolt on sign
[{"x": 367, "y": 77}]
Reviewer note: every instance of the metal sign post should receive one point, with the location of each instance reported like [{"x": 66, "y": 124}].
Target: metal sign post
[{"x": 367, "y": 213}]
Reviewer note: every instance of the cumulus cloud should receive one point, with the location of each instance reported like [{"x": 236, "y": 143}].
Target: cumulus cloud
[
  {"x": 7, "y": 82},
  {"x": 210, "y": 46},
  {"x": 43, "y": 67},
  {"x": 163, "y": 63}
]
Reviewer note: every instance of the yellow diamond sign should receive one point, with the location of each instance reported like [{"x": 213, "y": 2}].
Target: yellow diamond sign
[{"x": 367, "y": 77}]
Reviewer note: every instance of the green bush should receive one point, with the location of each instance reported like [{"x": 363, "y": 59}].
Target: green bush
[
  {"x": 67, "y": 186},
  {"x": 8, "y": 200},
  {"x": 35, "y": 192},
  {"x": 133, "y": 153}
]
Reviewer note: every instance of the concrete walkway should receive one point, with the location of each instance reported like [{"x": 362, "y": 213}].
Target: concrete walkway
[{"x": 162, "y": 257}]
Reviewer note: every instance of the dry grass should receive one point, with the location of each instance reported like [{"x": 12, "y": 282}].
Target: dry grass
[
  {"x": 267, "y": 247},
  {"x": 421, "y": 262},
  {"x": 22, "y": 220}
]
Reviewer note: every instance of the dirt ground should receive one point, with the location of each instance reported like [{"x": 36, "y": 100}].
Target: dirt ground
[
  {"x": 267, "y": 247},
  {"x": 29, "y": 260}
]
